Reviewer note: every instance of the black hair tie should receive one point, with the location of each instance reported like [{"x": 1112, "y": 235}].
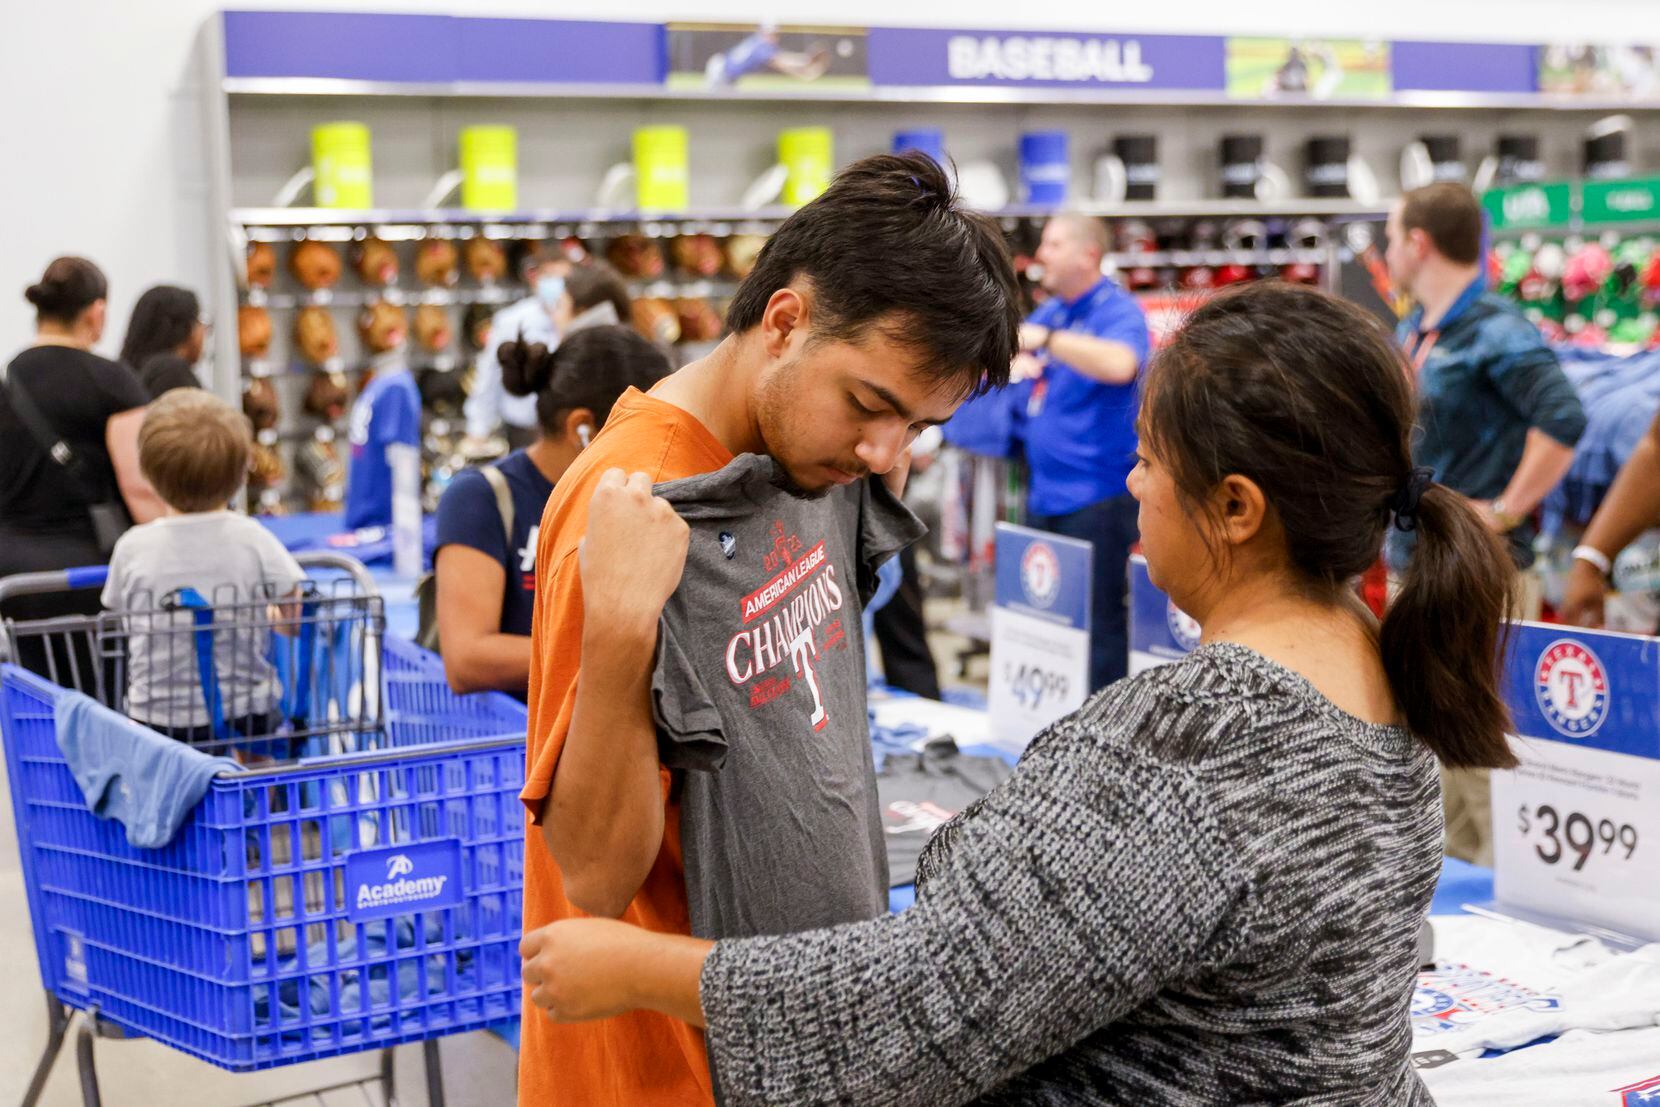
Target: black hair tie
[{"x": 1405, "y": 504}]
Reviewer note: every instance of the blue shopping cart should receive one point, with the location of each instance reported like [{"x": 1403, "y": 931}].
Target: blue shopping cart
[{"x": 356, "y": 886}]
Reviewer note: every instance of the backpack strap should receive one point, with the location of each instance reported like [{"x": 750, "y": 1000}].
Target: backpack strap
[
  {"x": 426, "y": 589},
  {"x": 504, "y": 500}
]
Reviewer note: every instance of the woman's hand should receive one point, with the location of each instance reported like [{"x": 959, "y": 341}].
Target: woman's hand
[
  {"x": 1587, "y": 592},
  {"x": 581, "y": 969},
  {"x": 575, "y": 968}
]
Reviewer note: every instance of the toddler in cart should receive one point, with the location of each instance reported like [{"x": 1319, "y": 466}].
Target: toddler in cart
[{"x": 201, "y": 589}]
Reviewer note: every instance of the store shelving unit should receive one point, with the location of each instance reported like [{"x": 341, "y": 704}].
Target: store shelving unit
[{"x": 571, "y": 132}]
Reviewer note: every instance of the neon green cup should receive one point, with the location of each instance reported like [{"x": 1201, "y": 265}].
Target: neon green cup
[
  {"x": 340, "y": 161},
  {"x": 808, "y": 157},
  {"x": 660, "y": 169},
  {"x": 489, "y": 168}
]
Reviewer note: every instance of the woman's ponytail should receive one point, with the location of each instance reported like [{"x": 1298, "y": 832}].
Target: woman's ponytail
[
  {"x": 1307, "y": 395},
  {"x": 1443, "y": 633}
]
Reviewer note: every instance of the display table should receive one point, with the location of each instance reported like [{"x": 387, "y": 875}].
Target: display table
[
  {"x": 1480, "y": 974},
  {"x": 324, "y": 531}
]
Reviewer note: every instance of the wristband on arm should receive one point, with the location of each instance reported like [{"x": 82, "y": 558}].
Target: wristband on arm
[{"x": 1596, "y": 558}]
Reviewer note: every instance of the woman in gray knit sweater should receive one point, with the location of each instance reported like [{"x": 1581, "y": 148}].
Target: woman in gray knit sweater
[{"x": 1204, "y": 886}]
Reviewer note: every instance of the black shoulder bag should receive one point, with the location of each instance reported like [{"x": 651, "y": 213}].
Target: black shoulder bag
[{"x": 109, "y": 515}]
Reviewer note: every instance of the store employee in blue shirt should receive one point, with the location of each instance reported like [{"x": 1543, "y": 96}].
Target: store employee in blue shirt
[{"x": 1081, "y": 352}]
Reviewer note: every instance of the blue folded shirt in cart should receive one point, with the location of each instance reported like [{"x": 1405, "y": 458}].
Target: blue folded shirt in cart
[
  {"x": 129, "y": 772},
  {"x": 379, "y": 958}
]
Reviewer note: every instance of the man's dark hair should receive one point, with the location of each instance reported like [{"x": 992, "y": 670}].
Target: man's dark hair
[
  {"x": 890, "y": 245},
  {"x": 595, "y": 283},
  {"x": 1450, "y": 214}
]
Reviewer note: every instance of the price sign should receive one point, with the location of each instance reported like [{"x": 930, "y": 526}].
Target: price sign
[
  {"x": 1576, "y": 827},
  {"x": 1160, "y": 632},
  {"x": 1039, "y": 632},
  {"x": 1571, "y": 840}
]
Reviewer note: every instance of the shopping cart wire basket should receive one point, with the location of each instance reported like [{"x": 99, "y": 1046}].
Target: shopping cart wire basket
[{"x": 363, "y": 892}]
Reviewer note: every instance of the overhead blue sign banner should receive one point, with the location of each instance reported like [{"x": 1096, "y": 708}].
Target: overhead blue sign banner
[
  {"x": 1464, "y": 67},
  {"x": 932, "y": 57},
  {"x": 440, "y": 49},
  {"x": 392, "y": 48}
]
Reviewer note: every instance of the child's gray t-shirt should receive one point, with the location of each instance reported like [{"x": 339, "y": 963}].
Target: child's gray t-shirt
[
  {"x": 230, "y": 560},
  {"x": 759, "y": 694}
]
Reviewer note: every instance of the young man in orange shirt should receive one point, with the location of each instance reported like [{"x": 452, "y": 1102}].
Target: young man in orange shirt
[{"x": 873, "y": 312}]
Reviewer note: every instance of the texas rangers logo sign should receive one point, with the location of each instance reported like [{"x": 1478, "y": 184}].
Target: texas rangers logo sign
[
  {"x": 1646, "y": 1094},
  {"x": 1429, "y": 1003},
  {"x": 1571, "y": 686},
  {"x": 1040, "y": 574},
  {"x": 1184, "y": 628}
]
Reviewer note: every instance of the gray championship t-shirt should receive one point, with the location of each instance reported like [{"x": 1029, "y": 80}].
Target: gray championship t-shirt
[
  {"x": 921, "y": 792},
  {"x": 759, "y": 695}
]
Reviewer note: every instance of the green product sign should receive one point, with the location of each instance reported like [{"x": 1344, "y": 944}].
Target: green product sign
[
  {"x": 1528, "y": 206},
  {"x": 1622, "y": 201}
]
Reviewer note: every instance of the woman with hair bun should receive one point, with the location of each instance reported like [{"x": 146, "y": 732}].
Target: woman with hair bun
[
  {"x": 486, "y": 578},
  {"x": 93, "y": 406}
]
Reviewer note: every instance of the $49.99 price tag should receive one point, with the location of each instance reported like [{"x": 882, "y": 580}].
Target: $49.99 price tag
[
  {"x": 1039, "y": 633},
  {"x": 1034, "y": 688}
]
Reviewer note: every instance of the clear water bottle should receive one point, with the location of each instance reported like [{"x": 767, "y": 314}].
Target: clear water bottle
[{"x": 1637, "y": 569}]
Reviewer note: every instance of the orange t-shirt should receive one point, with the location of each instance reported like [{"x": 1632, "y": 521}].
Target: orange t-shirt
[{"x": 640, "y": 1059}]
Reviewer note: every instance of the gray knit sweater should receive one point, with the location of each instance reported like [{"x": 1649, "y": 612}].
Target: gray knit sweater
[{"x": 1204, "y": 887}]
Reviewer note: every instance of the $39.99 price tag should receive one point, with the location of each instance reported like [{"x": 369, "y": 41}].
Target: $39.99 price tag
[
  {"x": 1576, "y": 838},
  {"x": 1576, "y": 826}
]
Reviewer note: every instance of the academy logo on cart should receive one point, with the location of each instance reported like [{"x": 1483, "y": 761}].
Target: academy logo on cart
[
  {"x": 1645, "y": 1094},
  {"x": 421, "y": 876},
  {"x": 1184, "y": 628},
  {"x": 1571, "y": 686},
  {"x": 1040, "y": 574}
]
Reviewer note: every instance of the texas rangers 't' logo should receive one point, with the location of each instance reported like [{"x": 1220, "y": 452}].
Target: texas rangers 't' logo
[
  {"x": 1040, "y": 574},
  {"x": 1571, "y": 686},
  {"x": 1184, "y": 628}
]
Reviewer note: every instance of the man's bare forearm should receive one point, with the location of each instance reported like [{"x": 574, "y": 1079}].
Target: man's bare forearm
[
  {"x": 603, "y": 820},
  {"x": 1633, "y": 502}
]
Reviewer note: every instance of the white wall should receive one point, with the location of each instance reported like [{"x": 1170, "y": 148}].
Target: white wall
[{"x": 100, "y": 134}]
